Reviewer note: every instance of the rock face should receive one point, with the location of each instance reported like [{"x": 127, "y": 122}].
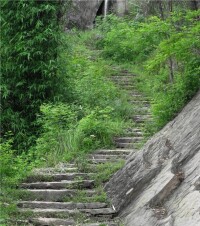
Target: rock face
[
  {"x": 160, "y": 185},
  {"x": 83, "y": 12}
]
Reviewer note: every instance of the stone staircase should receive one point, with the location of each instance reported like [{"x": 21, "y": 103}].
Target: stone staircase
[
  {"x": 133, "y": 137},
  {"x": 68, "y": 194},
  {"x": 52, "y": 194}
]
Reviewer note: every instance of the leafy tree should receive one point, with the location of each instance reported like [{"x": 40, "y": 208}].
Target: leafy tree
[{"x": 31, "y": 38}]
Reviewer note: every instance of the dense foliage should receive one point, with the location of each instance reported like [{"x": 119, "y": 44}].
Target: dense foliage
[
  {"x": 31, "y": 38},
  {"x": 166, "y": 53}
]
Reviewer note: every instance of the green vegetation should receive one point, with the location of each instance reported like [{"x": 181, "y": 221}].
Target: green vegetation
[
  {"x": 164, "y": 52},
  {"x": 104, "y": 171},
  {"x": 58, "y": 103},
  {"x": 31, "y": 45}
]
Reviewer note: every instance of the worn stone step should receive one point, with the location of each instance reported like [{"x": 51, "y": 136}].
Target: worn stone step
[
  {"x": 128, "y": 139},
  {"x": 102, "y": 224},
  {"x": 99, "y": 212},
  {"x": 133, "y": 92},
  {"x": 133, "y": 131},
  {"x": 127, "y": 87},
  {"x": 114, "y": 152},
  {"x": 124, "y": 77},
  {"x": 141, "y": 118},
  {"x": 124, "y": 84},
  {"x": 137, "y": 97},
  {"x": 136, "y": 134},
  {"x": 101, "y": 161},
  {"x": 126, "y": 145},
  {"x": 51, "y": 212},
  {"x": 143, "y": 111},
  {"x": 57, "y": 176},
  {"x": 53, "y": 195},
  {"x": 59, "y": 185},
  {"x": 65, "y": 222},
  {"x": 126, "y": 71},
  {"x": 140, "y": 102},
  {"x": 132, "y": 134},
  {"x": 60, "y": 205},
  {"x": 106, "y": 157},
  {"x": 52, "y": 222},
  {"x": 63, "y": 169}
]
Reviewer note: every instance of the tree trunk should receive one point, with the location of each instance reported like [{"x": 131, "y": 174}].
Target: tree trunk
[
  {"x": 194, "y": 5},
  {"x": 171, "y": 70},
  {"x": 161, "y": 10}
]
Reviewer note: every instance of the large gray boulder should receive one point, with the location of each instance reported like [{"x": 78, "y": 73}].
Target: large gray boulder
[
  {"x": 160, "y": 184},
  {"x": 82, "y": 13}
]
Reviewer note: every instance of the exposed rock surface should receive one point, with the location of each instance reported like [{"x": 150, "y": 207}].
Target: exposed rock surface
[
  {"x": 82, "y": 13},
  {"x": 160, "y": 185}
]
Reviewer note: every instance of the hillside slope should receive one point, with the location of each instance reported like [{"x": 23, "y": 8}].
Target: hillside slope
[{"x": 160, "y": 185}]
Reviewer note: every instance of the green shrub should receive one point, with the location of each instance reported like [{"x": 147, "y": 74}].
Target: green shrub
[
  {"x": 64, "y": 137},
  {"x": 94, "y": 89},
  {"x": 58, "y": 122},
  {"x": 13, "y": 167},
  {"x": 128, "y": 41},
  {"x": 170, "y": 94},
  {"x": 99, "y": 128}
]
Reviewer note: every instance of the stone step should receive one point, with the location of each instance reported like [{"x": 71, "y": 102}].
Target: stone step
[
  {"x": 106, "y": 157},
  {"x": 141, "y": 118},
  {"x": 132, "y": 100},
  {"x": 52, "y": 222},
  {"x": 142, "y": 111},
  {"x": 123, "y": 83},
  {"x": 63, "y": 169},
  {"x": 57, "y": 176},
  {"x": 102, "y": 212},
  {"x": 140, "y": 102},
  {"x": 132, "y": 134},
  {"x": 101, "y": 161},
  {"x": 65, "y": 222},
  {"x": 127, "y": 87},
  {"x": 133, "y": 131},
  {"x": 88, "y": 184},
  {"x": 123, "y": 77},
  {"x": 60, "y": 205},
  {"x": 137, "y": 95},
  {"x": 119, "y": 78},
  {"x": 54, "y": 195},
  {"x": 136, "y": 134},
  {"x": 102, "y": 224},
  {"x": 128, "y": 139},
  {"x": 126, "y": 145},
  {"x": 114, "y": 152},
  {"x": 140, "y": 99},
  {"x": 133, "y": 92},
  {"x": 99, "y": 212}
]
